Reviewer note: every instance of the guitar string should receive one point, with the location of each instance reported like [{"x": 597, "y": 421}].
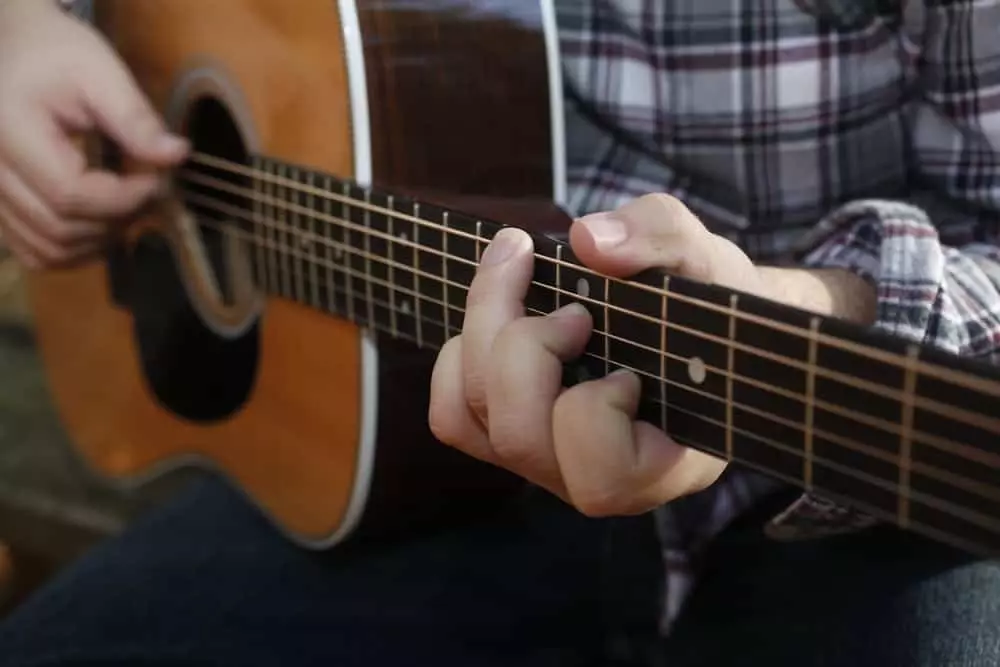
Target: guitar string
[
  {"x": 949, "y": 480},
  {"x": 945, "y": 476},
  {"x": 877, "y": 512},
  {"x": 923, "y": 367},
  {"x": 945, "y": 410}
]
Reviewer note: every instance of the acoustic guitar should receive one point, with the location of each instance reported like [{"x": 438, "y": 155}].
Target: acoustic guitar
[{"x": 277, "y": 319}]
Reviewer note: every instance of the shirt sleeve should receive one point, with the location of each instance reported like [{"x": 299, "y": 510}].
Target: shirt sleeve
[{"x": 934, "y": 258}]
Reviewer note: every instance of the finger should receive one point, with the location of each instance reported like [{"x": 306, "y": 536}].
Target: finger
[
  {"x": 122, "y": 112},
  {"x": 614, "y": 465},
  {"x": 494, "y": 300},
  {"x": 27, "y": 207},
  {"x": 651, "y": 231},
  {"x": 450, "y": 418},
  {"x": 102, "y": 195},
  {"x": 34, "y": 251},
  {"x": 524, "y": 380},
  {"x": 55, "y": 168}
]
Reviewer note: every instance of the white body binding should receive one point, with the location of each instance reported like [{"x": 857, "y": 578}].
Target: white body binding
[{"x": 363, "y": 168}]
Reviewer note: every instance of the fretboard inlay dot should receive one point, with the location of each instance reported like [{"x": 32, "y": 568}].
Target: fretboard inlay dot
[
  {"x": 583, "y": 288},
  {"x": 696, "y": 370},
  {"x": 404, "y": 307}
]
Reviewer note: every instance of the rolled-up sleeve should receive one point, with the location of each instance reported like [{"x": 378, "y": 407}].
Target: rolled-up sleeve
[{"x": 934, "y": 258}]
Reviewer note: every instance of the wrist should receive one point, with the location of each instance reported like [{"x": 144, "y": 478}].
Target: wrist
[{"x": 835, "y": 292}]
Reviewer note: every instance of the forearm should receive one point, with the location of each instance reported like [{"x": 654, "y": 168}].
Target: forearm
[
  {"x": 924, "y": 290},
  {"x": 835, "y": 292}
]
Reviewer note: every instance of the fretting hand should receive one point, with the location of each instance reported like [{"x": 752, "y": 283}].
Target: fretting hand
[
  {"x": 59, "y": 79},
  {"x": 497, "y": 388}
]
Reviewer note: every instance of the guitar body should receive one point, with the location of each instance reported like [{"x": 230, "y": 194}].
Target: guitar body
[{"x": 320, "y": 423}]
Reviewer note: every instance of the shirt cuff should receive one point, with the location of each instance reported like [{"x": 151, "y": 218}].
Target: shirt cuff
[{"x": 892, "y": 245}]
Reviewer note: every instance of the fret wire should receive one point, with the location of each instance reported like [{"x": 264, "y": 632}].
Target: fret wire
[
  {"x": 945, "y": 505},
  {"x": 329, "y": 273},
  {"x": 346, "y": 260},
  {"x": 860, "y": 504},
  {"x": 313, "y": 266},
  {"x": 274, "y": 281},
  {"x": 391, "y": 270},
  {"x": 832, "y": 437},
  {"x": 444, "y": 287},
  {"x": 368, "y": 277},
  {"x": 416, "y": 277},
  {"x": 479, "y": 239},
  {"x": 931, "y": 370},
  {"x": 851, "y": 471},
  {"x": 559, "y": 287},
  {"x": 870, "y": 387},
  {"x": 810, "y": 400},
  {"x": 296, "y": 224},
  {"x": 663, "y": 352},
  {"x": 258, "y": 214},
  {"x": 905, "y": 440},
  {"x": 607, "y": 327},
  {"x": 283, "y": 260},
  {"x": 730, "y": 365}
]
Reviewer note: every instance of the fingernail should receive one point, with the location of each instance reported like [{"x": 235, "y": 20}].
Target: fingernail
[
  {"x": 574, "y": 309},
  {"x": 606, "y": 231},
  {"x": 501, "y": 248}
]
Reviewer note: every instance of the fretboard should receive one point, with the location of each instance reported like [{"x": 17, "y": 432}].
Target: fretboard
[{"x": 904, "y": 432}]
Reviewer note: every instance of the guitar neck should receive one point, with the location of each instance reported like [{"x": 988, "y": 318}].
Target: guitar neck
[{"x": 902, "y": 431}]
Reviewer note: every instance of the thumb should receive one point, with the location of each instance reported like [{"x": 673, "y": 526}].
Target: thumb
[
  {"x": 121, "y": 111},
  {"x": 654, "y": 231}
]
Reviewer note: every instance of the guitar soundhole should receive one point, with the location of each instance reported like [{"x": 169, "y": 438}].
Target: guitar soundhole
[{"x": 193, "y": 370}]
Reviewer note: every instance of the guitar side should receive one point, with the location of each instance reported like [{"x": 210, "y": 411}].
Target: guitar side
[{"x": 323, "y": 427}]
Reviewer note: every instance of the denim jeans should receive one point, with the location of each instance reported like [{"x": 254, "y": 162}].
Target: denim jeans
[{"x": 206, "y": 581}]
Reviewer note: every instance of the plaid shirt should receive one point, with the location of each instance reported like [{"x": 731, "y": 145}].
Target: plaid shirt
[{"x": 860, "y": 134}]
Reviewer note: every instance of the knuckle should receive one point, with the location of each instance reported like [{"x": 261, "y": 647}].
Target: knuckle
[
  {"x": 60, "y": 232},
  {"x": 512, "y": 445},
  {"x": 664, "y": 201},
  {"x": 675, "y": 214},
  {"x": 475, "y": 392}
]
